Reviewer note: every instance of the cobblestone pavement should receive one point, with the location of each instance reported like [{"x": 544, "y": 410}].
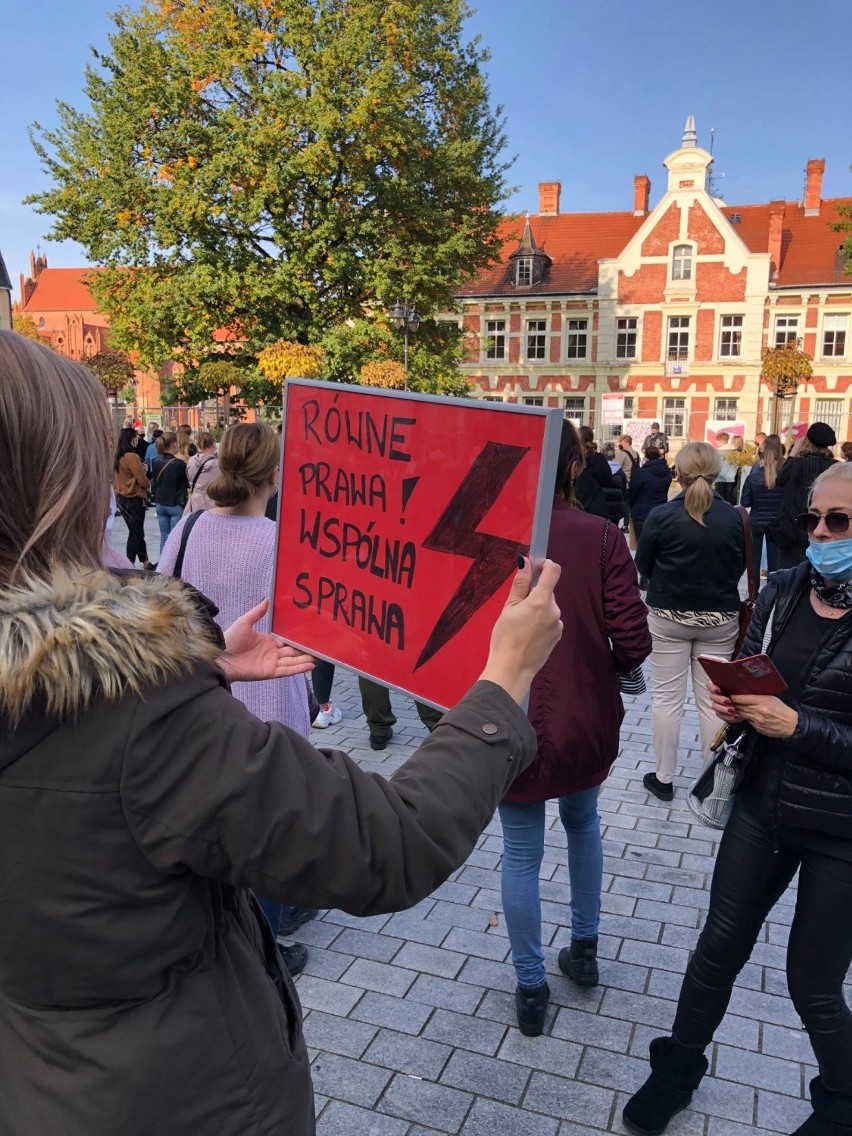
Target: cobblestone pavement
[{"x": 410, "y": 1017}]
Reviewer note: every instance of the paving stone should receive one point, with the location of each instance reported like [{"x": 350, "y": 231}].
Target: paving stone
[
  {"x": 445, "y": 994},
  {"x": 758, "y": 1069},
  {"x": 370, "y": 923},
  {"x": 341, "y": 1119},
  {"x": 396, "y": 1013},
  {"x": 430, "y": 960},
  {"x": 487, "y": 1118},
  {"x": 612, "y": 1070},
  {"x": 417, "y": 929},
  {"x": 559, "y": 1097},
  {"x": 477, "y": 943},
  {"x": 592, "y": 1029},
  {"x": 379, "y": 976},
  {"x": 781, "y": 1041},
  {"x": 337, "y": 1035},
  {"x": 724, "y": 1098},
  {"x": 367, "y": 944},
  {"x": 407, "y": 1054},
  {"x": 550, "y": 1054},
  {"x": 488, "y": 974},
  {"x": 655, "y": 955},
  {"x": 331, "y": 997},
  {"x": 348, "y": 1080},
  {"x": 476, "y": 1034},
  {"x": 445, "y": 1107},
  {"x": 326, "y": 964},
  {"x": 486, "y": 1076}
]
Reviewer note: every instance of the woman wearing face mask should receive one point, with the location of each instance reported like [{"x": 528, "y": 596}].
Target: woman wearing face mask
[{"x": 794, "y": 814}]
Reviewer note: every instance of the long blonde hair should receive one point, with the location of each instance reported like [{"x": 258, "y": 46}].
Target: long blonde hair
[
  {"x": 773, "y": 459},
  {"x": 248, "y": 456},
  {"x": 55, "y": 498},
  {"x": 184, "y": 438},
  {"x": 698, "y": 465}
]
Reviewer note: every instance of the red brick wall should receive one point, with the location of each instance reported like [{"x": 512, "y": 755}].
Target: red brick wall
[
  {"x": 645, "y": 286},
  {"x": 702, "y": 230},
  {"x": 664, "y": 232},
  {"x": 715, "y": 282},
  {"x": 704, "y": 346},
  {"x": 652, "y": 336},
  {"x": 698, "y": 416}
]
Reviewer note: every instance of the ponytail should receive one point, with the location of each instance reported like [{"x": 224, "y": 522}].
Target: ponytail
[{"x": 698, "y": 465}]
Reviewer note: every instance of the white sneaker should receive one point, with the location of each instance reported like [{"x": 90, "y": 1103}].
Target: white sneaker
[{"x": 329, "y": 716}]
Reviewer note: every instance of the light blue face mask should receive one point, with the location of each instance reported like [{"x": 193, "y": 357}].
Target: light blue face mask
[{"x": 833, "y": 560}]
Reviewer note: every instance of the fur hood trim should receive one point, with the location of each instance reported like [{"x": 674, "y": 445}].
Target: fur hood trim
[{"x": 73, "y": 638}]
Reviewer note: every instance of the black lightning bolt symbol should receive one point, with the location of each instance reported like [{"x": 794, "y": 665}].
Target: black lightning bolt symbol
[{"x": 494, "y": 558}]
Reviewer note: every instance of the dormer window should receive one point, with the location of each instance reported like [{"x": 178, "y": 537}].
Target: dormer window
[
  {"x": 524, "y": 272},
  {"x": 529, "y": 264},
  {"x": 682, "y": 262}
]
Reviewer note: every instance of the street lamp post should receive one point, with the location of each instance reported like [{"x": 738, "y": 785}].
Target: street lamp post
[{"x": 407, "y": 319}]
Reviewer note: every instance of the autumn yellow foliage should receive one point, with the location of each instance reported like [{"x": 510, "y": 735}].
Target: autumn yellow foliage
[
  {"x": 289, "y": 360},
  {"x": 387, "y": 373}
]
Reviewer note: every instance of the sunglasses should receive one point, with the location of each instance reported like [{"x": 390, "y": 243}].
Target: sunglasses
[{"x": 836, "y": 523}]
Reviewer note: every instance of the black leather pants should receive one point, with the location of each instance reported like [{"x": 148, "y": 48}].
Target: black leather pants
[{"x": 749, "y": 878}]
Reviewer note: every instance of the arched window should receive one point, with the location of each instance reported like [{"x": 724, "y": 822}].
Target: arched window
[
  {"x": 42, "y": 322},
  {"x": 682, "y": 262}
]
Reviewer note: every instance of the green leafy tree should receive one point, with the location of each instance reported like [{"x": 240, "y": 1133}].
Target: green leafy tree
[
  {"x": 113, "y": 368},
  {"x": 276, "y": 167},
  {"x": 25, "y": 325}
]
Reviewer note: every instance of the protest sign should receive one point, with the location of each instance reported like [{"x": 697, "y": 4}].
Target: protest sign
[
  {"x": 716, "y": 426},
  {"x": 400, "y": 523},
  {"x": 638, "y": 429},
  {"x": 613, "y": 409}
]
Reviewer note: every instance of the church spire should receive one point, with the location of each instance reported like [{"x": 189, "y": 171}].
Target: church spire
[{"x": 690, "y": 138}]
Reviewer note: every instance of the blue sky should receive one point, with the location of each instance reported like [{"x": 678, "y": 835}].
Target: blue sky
[{"x": 593, "y": 94}]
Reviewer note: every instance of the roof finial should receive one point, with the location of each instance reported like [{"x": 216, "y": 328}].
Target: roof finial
[{"x": 690, "y": 138}]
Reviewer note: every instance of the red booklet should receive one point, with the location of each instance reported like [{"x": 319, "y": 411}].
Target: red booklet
[{"x": 756, "y": 674}]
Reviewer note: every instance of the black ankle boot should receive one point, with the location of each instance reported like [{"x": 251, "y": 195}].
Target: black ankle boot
[
  {"x": 676, "y": 1073},
  {"x": 832, "y": 1115},
  {"x": 531, "y": 1005},
  {"x": 580, "y": 961}
]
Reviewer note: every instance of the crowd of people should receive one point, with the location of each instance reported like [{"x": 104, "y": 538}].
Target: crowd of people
[{"x": 155, "y": 995}]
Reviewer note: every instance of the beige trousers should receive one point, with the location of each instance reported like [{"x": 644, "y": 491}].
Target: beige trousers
[{"x": 675, "y": 652}]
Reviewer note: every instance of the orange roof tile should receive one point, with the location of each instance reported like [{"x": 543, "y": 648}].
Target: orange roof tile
[
  {"x": 61, "y": 290},
  {"x": 575, "y": 242}
]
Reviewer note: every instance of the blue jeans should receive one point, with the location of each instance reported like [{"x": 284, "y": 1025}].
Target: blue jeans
[
  {"x": 523, "y": 850},
  {"x": 167, "y": 517}
]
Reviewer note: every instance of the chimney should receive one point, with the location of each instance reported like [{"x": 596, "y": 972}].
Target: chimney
[
  {"x": 813, "y": 186},
  {"x": 776, "y": 230},
  {"x": 641, "y": 193},
  {"x": 548, "y": 198}
]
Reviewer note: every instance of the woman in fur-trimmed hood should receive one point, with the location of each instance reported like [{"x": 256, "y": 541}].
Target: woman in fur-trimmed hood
[{"x": 140, "y": 988}]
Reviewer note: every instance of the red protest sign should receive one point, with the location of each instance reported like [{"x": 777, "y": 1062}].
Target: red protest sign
[{"x": 401, "y": 519}]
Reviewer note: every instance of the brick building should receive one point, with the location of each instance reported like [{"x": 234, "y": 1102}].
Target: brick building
[{"x": 669, "y": 307}]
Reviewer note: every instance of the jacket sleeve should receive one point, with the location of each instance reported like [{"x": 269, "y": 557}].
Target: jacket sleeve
[
  {"x": 635, "y": 486},
  {"x": 646, "y": 553},
  {"x": 625, "y": 615},
  {"x": 137, "y": 469},
  {"x": 208, "y": 788},
  {"x": 826, "y": 741},
  {"x": 747, "y": 500},
  {"x": 789, "y": 473}
]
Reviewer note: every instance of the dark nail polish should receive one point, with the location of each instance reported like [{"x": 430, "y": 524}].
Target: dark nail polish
[{"x": 521, "y": 561}]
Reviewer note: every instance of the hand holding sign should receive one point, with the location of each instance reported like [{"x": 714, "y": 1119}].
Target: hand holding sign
[{"x": 528, "y": 629}]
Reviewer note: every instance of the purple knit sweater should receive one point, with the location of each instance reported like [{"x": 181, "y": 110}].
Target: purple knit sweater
[{"x": 229, "y": 560}]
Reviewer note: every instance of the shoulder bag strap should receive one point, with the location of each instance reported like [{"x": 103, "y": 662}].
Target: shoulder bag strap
[
  {"x": 604, "y": 542},
  {"x": 198, "y": 474},
  {"x": 184, "y": 537},
  {"x": 749, "y": 555}
]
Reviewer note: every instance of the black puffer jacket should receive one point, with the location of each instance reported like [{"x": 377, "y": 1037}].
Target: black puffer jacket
[{"x": 806, "y": 781}]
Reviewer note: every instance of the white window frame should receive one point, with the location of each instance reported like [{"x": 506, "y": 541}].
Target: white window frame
[
  {"x": 725, "y": 413},
  {"x": 524, "y": 265},
  {"x": 668, "y": 428},
  {"x": 574, "y": 400},
  {"x": 629, "y": 411},
  {"x": 627, "y": 331},
  {"x": 732, "y": 329},
  {"x": 578, "y": 333},
  {"x": 532, "y": 400},
  {"x": 673, "y": 327},
  {"x": 832, "y": 411},
  {"x": 787, "y": 331},
  {"x": 686, "y": 255},
  {"x": 493, "y": 398},
  {"x": 539, "y": 333},
  {"x": 492, "y": 335},
  {"x": 842, "y": 329}
]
